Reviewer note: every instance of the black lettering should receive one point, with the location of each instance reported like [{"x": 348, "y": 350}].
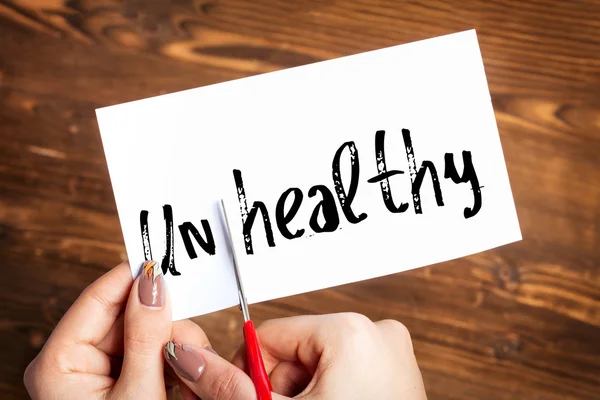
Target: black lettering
[
  {"x": 168, "y": 260},
  {"x": 383, "y": 175},
  {"x": 344, "y": 197},
  {"x": 145, "y": 235},
  {"x": 282, "y": 218},
  {"x": 416, "y": 177},
  {"x": 207, "y": 245},
  {"x": 327, "y": 208},
  {"x": 248, "y": 217},
  {"x": 468, "y": 175}
]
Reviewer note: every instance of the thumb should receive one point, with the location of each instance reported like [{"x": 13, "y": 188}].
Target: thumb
[
  {"x": 147, "y": 329},
  {"x": 217, "y": 379},
  {"x": 202, "y": 370}
]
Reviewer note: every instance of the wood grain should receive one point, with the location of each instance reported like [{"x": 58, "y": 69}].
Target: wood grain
[{"x": 518, "y": 322}]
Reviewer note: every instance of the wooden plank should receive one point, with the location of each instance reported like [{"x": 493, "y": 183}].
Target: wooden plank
[{"x": 521, "y": 321}]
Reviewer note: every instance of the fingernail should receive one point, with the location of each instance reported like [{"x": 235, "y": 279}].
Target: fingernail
[
  {"x": 185, "y": 361},
  {"x": 152, "y": 285},
  {"x": 209, "y": 348}
]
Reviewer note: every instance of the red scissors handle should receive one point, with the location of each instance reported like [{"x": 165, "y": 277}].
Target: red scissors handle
[{"x": 256, "y": 366}]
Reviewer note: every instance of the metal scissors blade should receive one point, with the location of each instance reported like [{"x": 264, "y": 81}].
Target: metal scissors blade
[{"x": 238, "y": 277}]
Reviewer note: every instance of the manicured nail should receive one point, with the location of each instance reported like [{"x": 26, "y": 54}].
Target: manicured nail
[
  {"x": 185, "y": 361},
  {"x": 152, "y": 285},
  {"x": 207, "y": 347}
]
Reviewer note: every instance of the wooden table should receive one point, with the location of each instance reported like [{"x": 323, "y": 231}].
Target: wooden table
[{"x": 518, "y": 322}]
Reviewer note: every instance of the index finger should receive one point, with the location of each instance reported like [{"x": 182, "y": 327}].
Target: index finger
[
  {"x": 291, "y": 339},
  {"x": 92, "y": 315}
]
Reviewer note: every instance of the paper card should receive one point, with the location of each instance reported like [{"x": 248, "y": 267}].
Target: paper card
[{"x": 332, "y": 173}]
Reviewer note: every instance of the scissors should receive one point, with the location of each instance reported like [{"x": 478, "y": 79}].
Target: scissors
[{"x": 256, "y": 366}]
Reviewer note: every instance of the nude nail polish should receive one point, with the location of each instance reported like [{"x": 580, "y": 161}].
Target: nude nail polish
[
  {"x": 152, "y": 285},
  {"x": 185, "y": 361}
]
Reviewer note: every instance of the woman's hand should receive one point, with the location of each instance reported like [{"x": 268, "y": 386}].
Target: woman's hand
[
  {"x": 99, "y": 352},
  {"x": 337, "y": 356}
]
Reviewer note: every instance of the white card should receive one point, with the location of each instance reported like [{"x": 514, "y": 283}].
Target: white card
[{"x": 322, "y": 129}]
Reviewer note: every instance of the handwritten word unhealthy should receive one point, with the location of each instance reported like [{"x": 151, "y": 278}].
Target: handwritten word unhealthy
[{"x": 329, "y": 204}]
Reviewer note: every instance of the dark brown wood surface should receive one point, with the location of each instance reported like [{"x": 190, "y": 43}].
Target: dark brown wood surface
[{"x": 518, "y": 322}]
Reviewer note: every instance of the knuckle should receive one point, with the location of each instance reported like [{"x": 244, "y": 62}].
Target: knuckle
[
  {"x": 271, "y": 325},
  {"x": 396, "y": 327},
  {"x": 37, "y": 372},
  {"x": 356, "y": 322},
  {"x": 30, "y": 375},
  {"x": 61, "y": 360},
  {"x": 396, "y": 332},
  {"x": 353, "y": 329},
  {"x": 142, "y": 342},
  {"x": 227, "y": 384},
  {"x": 95, "y": 295}
]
